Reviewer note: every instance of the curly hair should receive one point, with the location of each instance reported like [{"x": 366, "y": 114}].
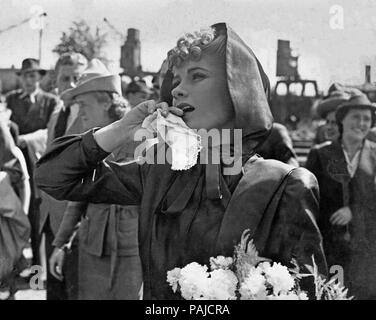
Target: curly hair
[{"x": 192, "y": 45}]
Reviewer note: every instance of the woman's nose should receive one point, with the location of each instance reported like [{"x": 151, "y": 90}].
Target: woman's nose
[{"x": 179, "y": 92}]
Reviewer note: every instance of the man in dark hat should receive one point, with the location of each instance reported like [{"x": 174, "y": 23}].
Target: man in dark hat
[
  {"x": 31, "y": 106},
  {"x": 31, "y": 110}
]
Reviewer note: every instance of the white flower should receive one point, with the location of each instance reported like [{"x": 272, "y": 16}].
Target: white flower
[
  {"x": 173, "y": 277},
  {"x": 279, "y": 277},
  {"x": 302, "y": 296},
  {"x": 193, "y": 271},
  {"x": 263, "y": 266},
  {"x": 194, "y": 281},
  {"x": 254, "y": 286},
  {"x": 289, "y": 296},
  {"x": 221, "y": 262},
  {"x": 222, "y": 285}
]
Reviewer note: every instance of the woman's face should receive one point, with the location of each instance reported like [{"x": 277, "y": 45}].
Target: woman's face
[
  {"x": 200, "y": 90},
  {"x": 68, "y": 76},
  {"x": 331, "y": 128},
  {"x": 357, "y": 123},
  {"x": 92, "y": 112}
]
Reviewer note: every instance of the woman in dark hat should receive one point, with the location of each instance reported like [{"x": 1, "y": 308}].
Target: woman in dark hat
[
  {"x": 191, "y": 215},
  {"x": 345, "y": 169},
  {"x": 326, "y": 110}
]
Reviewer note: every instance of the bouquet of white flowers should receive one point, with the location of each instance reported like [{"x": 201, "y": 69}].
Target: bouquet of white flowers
[{"x": 247, "y": 276}]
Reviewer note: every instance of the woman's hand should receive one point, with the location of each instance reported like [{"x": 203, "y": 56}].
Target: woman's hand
[
  {"x": 123, "y": 131},
  {"x": 133, "y": 120},
  {"x": 341, "y": 217},
  {"x": 56, "y": 263}
]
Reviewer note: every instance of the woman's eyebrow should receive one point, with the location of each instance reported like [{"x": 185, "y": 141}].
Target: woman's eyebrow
[{"x": 196, "y": 68}]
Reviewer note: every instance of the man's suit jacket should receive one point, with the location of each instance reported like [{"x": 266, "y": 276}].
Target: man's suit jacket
[{"x": 31, "y": 116}]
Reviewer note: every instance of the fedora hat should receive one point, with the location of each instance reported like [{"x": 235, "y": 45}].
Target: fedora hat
[
  {"x": 356, "y": 101},
  {"x": 31, "y": 65},
  {"x": 96, "y": 77},
  {"x": 331, "y": 102}
]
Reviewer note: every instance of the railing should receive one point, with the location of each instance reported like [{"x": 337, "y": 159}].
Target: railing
[{"x": 302, "y": 148}]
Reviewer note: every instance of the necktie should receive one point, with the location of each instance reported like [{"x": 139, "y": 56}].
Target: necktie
[{"x": 61, "y": 123}]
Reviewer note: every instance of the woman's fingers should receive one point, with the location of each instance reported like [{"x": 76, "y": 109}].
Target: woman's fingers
[
  {"x": 56, "y": 264},
  {"x": 151, "y": 105},
  {"x": 163, "y": 107},
  {"x": 53, "y": 265},
  {"x": 176, "y": 111},
  {"x": 335, "y": 218},
  {"x": 338, "y": 218}
]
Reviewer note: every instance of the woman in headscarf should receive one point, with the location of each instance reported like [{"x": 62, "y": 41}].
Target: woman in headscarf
[
  {"x": 345, "y": 170},
  {"x": 191, "y": 215}
]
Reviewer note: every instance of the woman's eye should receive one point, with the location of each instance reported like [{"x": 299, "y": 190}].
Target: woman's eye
[
  {"x": 175, "y": 84},
  {"x": 198, "y": 76}
]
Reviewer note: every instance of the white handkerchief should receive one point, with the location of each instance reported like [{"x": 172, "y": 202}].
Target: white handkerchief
[{"x": 185, "y": 144}]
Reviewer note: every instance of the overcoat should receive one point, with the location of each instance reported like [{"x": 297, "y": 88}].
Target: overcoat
[{"x": 353, "y": 246}]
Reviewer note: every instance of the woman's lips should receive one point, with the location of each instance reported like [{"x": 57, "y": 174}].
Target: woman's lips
[{"x": 186, "y": 107}]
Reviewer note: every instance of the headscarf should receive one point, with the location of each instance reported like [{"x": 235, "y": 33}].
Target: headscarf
[{"x": 249, "y": 88}]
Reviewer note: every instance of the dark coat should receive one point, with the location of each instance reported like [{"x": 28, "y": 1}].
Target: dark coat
[
  {"x": 31, "y": 116},
  {"x": 278, "y": 145},
  {"x": 277, "y": 202},
  {"x": 357, "y": 254}
]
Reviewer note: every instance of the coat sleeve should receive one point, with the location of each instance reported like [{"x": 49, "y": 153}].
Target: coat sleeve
[
  {"x": 297, "y": 234},
  {"x": 74, "y": 169},
  {"x": 72, "y": 216},
  {"x": 313, "y": 162}
]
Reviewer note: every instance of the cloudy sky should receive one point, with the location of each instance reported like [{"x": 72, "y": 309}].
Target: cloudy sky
[{"x": 327, "y": 53}]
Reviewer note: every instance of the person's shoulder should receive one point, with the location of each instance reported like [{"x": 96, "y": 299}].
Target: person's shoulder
[
  {"x": 266, "y": 168},
  {"x": 274, "y": 172},
  {"x": 48, "y": 95},
  {"x": 13, "y": 94},
  {"x": 279, "y": 127},
  {"x": 371, "y": 144},
  {"x": 324, "y": 146}
]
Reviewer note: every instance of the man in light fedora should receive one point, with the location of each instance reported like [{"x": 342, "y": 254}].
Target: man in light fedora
[
  {"x": 109, "y": 262},
  {"x": 31, "y": 110}
]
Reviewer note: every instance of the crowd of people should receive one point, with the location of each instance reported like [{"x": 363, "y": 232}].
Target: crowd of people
[{"x": 112, "y": 228}]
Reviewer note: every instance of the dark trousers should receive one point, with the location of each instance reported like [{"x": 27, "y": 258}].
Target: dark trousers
[
  {"x": 35, "y": 236},
  {"x": 33, "y": 214},
  {"x": 67, "y": 289}
]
